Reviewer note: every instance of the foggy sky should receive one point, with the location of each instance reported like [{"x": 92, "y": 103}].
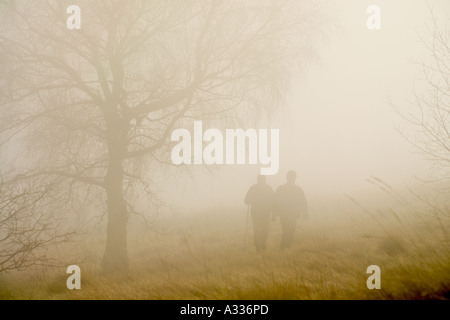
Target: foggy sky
[{"x": 339, "y": 129}]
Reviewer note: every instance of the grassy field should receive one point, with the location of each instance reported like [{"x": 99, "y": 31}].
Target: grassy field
[{"x": 203, "y": 257}]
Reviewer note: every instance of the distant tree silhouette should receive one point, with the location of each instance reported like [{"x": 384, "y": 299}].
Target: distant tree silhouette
[{"x": 431, "y": 120}]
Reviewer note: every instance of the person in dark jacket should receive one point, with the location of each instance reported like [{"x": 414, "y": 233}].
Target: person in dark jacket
[
  {"x": 290, "y": 204},
  {"x": 260, "y": 197}
]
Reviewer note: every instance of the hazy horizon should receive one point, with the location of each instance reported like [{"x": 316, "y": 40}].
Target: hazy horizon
[{"x": 338, "y": 128}]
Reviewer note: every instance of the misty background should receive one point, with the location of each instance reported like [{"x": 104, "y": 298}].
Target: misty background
[{"x": 339, "y": 127}]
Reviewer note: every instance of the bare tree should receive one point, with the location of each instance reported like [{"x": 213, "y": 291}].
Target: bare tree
[
  {"x": 430, "y": 121},
  {"x": 94, "y": 108},
  {"x": 26, "y": 231}
]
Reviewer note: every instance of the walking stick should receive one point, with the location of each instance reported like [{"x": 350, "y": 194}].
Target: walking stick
[{"x": 246, "y": 225}]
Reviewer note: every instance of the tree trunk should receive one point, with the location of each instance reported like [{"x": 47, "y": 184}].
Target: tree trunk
[{"x": 115, "y": 258}]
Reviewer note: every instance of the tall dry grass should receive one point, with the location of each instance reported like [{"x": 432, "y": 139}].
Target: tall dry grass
[{"x": 203, "y": 257}]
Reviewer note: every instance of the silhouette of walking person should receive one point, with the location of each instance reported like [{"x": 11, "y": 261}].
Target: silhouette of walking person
[
  {"x": 290, "y": 204},
  {"x": 260, "y": 197}
]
